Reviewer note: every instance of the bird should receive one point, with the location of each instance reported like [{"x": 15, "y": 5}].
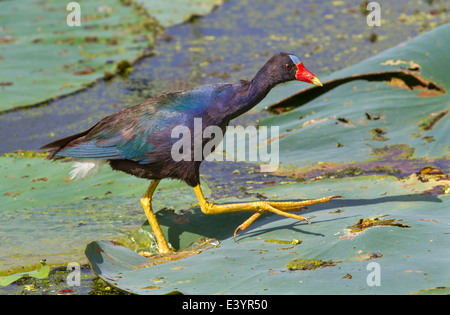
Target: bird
[{"x": 137, "y": 140}]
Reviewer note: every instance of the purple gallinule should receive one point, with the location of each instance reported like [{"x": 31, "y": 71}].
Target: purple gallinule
[{"x": 137, "y": 140}]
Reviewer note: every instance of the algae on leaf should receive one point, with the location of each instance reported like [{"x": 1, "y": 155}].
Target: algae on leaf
[{"x": 308, "y": 264}]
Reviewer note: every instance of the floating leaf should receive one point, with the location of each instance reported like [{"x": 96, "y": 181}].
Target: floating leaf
[
  {"x": 65, "y": 58},
  {"x": 170, "y": 13},
  {"x": 42, "y": 273},
  {"x": 252, "y": 265}
]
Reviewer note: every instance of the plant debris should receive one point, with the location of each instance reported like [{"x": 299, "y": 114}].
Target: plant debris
[
  {"x": 308, "y": 264},
  {"x": 428, "y": 123},
  {"x": 364, "y": 224}
]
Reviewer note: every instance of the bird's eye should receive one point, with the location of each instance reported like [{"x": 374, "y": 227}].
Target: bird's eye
[{"x": 288, "y": 67}]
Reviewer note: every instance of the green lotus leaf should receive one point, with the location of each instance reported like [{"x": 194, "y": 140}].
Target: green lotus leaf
[
  {"x": 410, "y": 259},
  {"x": 170, "y": 13},
  {"x": 47, "y": 58}
]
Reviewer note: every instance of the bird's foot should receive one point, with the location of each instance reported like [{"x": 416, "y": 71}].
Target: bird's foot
[
  {"x": 259, "y": 207},
  {"x": 281, "y": 208}
]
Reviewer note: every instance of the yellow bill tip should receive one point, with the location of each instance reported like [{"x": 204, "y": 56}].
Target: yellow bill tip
[{"x": 316, "y": 81}]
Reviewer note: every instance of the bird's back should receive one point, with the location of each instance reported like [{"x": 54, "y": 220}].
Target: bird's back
[{"x": 137, "y": 133}]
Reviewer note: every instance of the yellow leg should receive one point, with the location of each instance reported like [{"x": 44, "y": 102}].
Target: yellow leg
[
  {"x": 259, "y": 207},
  {"x": 146, "y": 202}
]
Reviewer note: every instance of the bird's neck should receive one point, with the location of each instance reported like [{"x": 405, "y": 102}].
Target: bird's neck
[
  {"x": 253, "y": 92},
  {"x": 260, "y": 85}
]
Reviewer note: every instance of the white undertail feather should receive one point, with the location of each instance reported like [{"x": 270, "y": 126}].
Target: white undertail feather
[{"x": 85, "y": 167}]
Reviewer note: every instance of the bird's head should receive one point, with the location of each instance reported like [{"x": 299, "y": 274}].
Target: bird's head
[{"x": 289, "y": 67}]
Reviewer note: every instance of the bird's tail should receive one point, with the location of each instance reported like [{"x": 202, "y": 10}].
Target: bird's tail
[
  {"x": 56, "y": 146},
  {"x": 81, "y": 167}
]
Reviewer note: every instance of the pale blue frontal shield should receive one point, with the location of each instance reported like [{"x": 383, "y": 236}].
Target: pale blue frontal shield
[{"x": 295, "y": 59}]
